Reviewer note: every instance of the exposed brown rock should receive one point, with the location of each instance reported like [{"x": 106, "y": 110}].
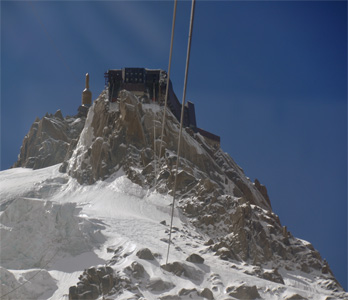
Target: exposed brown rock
[
  {"x": 295, "y": 297},
  {"x": 243, "y": 292},
  {"x": 207, "y": 293},
  {"x": 195, "y": 258},
  {"x": 93, "y": 282},
  {"x": 145, "y": 253},
  {"x": 212, "y": 190},
  {"x": 157, "y": 285},
  {"x": 263, "y": 190},
  {"x": 273, "y": 276},
  {"x": 182, "y": 269}
]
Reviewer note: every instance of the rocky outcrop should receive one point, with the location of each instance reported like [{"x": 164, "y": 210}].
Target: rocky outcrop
[
  {"x": 232, "y": 213},
  {"x": 49, "y": 141},
  {"x": 182, "y": 269},
  {"x": 157, "y": 285},
  {"x": 272, "y": 275},
  {"x": 195, "y": 258},
  {"x": 122, "y": 135},
  {"x": 212, "y": 190},
  {"x": 92, "y": 283},
  {"x": 295, "y": 297},
  {"x": 244, "y": 292},
  {"x": 145, "y": 253}
]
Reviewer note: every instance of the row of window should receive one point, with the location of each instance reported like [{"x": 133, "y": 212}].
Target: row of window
[
  {"x": 135, "y": 74},
  {"x": 134, "y": 80}
]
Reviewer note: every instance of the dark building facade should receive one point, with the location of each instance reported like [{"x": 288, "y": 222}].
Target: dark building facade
[{"x": 150, "y": 86}]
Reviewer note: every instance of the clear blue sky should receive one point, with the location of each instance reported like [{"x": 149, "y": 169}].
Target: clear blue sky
[{"x": 269, "y": 77}]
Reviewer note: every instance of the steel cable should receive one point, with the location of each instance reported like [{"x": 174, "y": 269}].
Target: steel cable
[{"x": 181, "y": 122}]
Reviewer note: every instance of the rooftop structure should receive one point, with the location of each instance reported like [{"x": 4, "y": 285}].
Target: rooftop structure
[{"x": 150, "y": 86}]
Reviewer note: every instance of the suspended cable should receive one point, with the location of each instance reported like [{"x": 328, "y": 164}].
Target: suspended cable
[
  {"x": 168, "y": 77},
  {"x": 154, "y": 147},
  {"x": 181, "y": 122},
  {"x": 30, "y": 278},
  {"x": 166, "y": 95}
]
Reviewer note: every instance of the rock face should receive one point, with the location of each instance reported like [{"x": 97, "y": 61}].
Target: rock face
[
  {"x": 121, "y": 135},
  {"x": 146, "y": 254},
  {"x": 219, "y": 199},
  {"x": 243, "y": 292},
  {"x": 213, "y": 193},
  {"x": 93, "y": 282},
  {"x": 49, "y": 141},
  {"x": 195, "y": 258}
]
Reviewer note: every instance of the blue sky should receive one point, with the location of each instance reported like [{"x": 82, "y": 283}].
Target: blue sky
[{"x": 269, "y": 77}]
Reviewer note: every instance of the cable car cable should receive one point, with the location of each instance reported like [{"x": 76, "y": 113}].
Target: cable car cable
[
  {"x": 181, "y": 122},
  {"x": 168, "y": 77}
]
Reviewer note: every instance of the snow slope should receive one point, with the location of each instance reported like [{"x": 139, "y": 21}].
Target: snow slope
[{"x": 53, "y": 228}]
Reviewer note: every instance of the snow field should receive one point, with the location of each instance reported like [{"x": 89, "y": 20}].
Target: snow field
[{"x": 49, "y": 221}]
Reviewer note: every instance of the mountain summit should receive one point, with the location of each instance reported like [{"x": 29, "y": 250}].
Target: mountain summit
[{"x": 91, "y": 218}]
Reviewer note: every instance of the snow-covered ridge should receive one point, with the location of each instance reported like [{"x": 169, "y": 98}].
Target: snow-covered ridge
[
  {"x": 95, "y": 225},
  {"x": 106, "y": 224}
]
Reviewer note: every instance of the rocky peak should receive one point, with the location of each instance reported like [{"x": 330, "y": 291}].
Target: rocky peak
[
  {"x": 49, "y": 141},
  {"x": 121, "y": 135},
  {"x": 233, "y": 214}
]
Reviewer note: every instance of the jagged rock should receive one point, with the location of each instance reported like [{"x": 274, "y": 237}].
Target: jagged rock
[
  {"x": 273, "y": 276},
  {"x": 137, "y": 270},
  {"x": 209, "y": 242},
  {"x": 192, "y": 293},
  {"x": 326, "y": 268},
  {"x": 107, "y": 282},
  {"x": 295, "y": 297},
  {"x": 191, "y": 209},
  {"x": 207, "y": 293},
  {"x": 176, "y": 268},
  {"x": 130, "y": 110},
  {"x": 48, "y": 141},
  {"x": 122, "y": 135},
  {"x": 305, "y": 268},
  {"x": 225, "y": 253},
  {"x": 185, "y": 180},
  {"x": 213, "y": 191},
  {"x": 58, "y": 114},
  {"x": 146, "y": 254},
  {"x": 179, "y": 269},
  {"x": 93, "y": 283},
  {"x": 170, "y": 297},
  {"x": 195, "y": 258},
  {"x": 158, "y": 285},
  {"x": 263, "y": 190},
  {"x": 243, "y": 292}
]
